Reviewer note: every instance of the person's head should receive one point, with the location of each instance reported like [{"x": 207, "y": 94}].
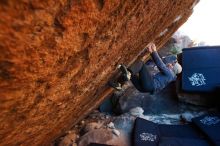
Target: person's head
[{"x": 175, "y": 67}]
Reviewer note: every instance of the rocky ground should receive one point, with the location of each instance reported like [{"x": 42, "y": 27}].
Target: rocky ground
[{"x": 113, "y": 125}]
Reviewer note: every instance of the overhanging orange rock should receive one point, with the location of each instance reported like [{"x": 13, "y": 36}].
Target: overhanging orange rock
[{"x": 56, "y": 57}]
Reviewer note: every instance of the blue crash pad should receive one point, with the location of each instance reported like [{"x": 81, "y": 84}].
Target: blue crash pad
[
  {"x": 147, "y": 133},
  {"x": 201, "y": 68}
]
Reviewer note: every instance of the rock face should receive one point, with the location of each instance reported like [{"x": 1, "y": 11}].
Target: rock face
[{"x": 56, "y": 57}]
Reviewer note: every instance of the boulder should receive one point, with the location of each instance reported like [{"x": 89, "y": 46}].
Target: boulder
[
  {"x": 91, "y": 126},
  {"x": 58, "y": 55},
  {"x": 69, "y": 139}
]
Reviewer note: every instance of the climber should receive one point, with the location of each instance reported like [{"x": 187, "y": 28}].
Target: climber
[{"x": 144, "y": 80}]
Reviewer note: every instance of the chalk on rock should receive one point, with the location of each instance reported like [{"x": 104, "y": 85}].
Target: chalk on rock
[
  {"x": 116, "y": 132},
  {"x": 82, "y": 122},
  {"x": 111, "y": 125},
  {"x": 137, "y": 111}
]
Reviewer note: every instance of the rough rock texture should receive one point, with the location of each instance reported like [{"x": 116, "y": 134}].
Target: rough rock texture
[{"x": 56, "y": 57}]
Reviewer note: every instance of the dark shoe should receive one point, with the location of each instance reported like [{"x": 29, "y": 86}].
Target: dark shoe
[
  {"x": 115, "y": 85},
  {"x": 125, "y": 73}
]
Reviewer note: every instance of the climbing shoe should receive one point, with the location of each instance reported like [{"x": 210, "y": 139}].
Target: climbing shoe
[
  {"x": 115, "y": 85},
  {"x": 125, "y": 73}
]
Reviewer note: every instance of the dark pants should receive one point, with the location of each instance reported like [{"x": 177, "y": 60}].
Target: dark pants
[{"x": 142, "y": 80}]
